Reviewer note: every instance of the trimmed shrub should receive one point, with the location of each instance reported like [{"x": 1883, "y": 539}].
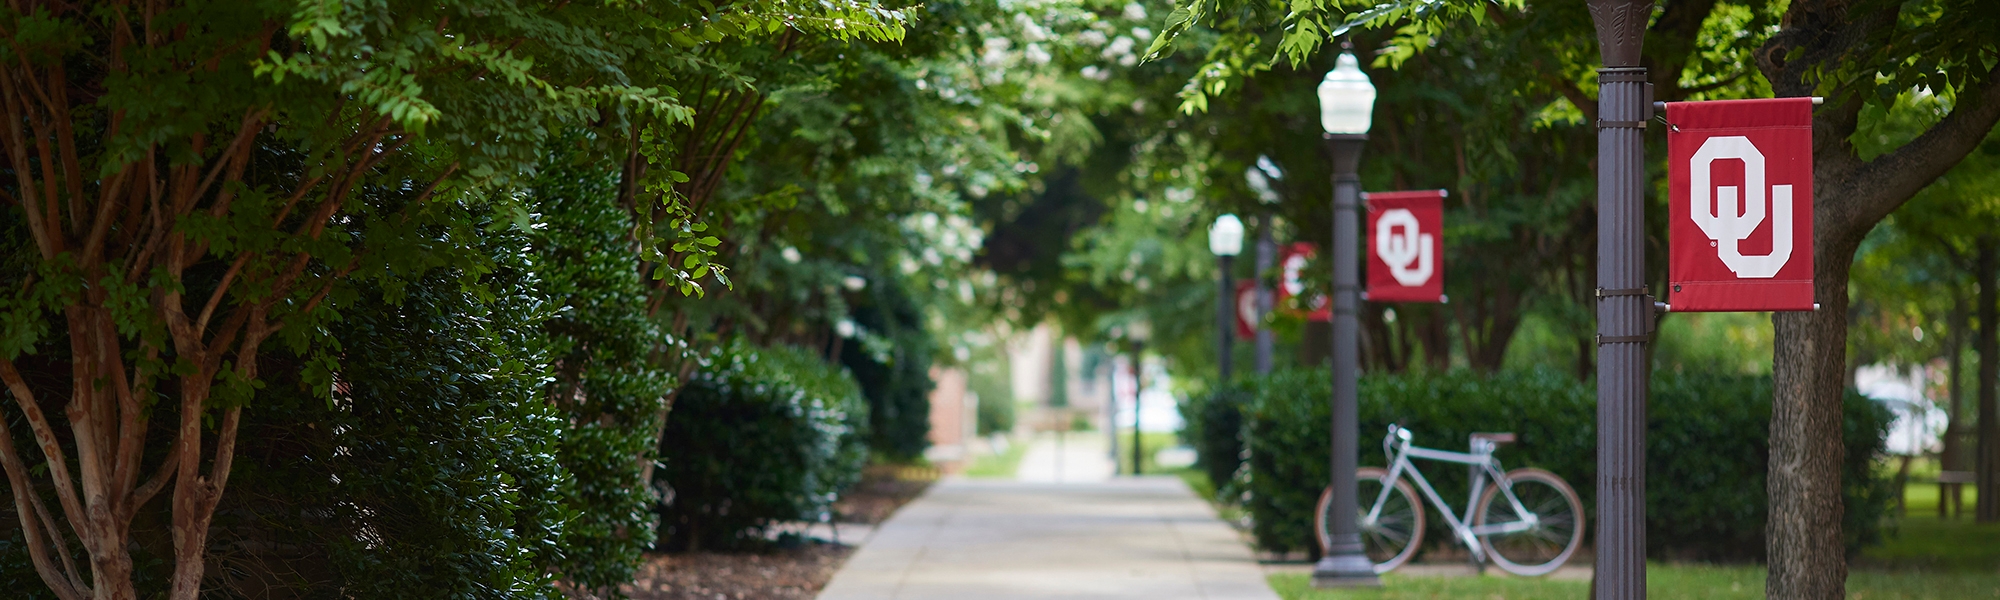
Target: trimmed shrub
[
  {"x": 1705, "y": 458},
  {"x": 1707, "y": 455},
  {"x": 995, "y": 415},
  {"x": 759, "y": 437},
  {"x": 601, "y": 351},
  {"x": 1213, "y": 424},
  {"x": 431, "y": 472}
]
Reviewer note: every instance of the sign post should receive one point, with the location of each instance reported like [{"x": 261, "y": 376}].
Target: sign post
[{"x": 1624, "y": 311}]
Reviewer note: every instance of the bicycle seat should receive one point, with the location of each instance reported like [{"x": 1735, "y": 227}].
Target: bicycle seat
[{"x": 1497, "y": 438}]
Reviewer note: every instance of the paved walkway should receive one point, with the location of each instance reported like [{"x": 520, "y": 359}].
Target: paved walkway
[
  {"x": 1071, "y": 457},
  {"x": 1121, "y": 538}
]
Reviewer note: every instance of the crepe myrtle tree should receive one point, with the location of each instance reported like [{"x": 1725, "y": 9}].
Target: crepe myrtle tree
[{"x": 191, "y": 180}]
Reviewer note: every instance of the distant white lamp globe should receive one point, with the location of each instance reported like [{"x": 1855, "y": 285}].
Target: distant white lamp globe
[
  {"x": 1225, "y": 237},
  {"x": 1346, "y": 99}
]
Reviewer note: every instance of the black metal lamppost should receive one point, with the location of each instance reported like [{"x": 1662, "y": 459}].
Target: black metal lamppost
[
  {"x": 1624, "y": 311},
  {"x": 1346, "y": 108},
  {"x": 1225, "y": 239},
  {"x": 1260, "y": 177},
  {"x": 1138, "y": 332}
]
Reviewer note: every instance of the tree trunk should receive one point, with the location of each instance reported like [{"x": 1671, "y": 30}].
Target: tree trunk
[
  {"x": 1850, "y": 196},
  {"x": 1803, "y": 534},
  {"x": 1987, "y": 464}
]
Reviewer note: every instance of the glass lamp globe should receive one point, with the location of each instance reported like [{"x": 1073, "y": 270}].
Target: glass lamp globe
[
  {"x": 1346, "y": 99},
  {"x": 1225, "y": 237}
]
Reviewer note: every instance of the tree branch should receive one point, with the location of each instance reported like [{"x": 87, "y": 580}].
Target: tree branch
[
  {"x": 1881, "y": 185},
  {"x": 36, "y": 522},
  {"x": 144, "y": 493},
  {"x": 17, "y": 153},
  {"x": 1575, "y": 95},
  {"x": 45, "y": 438}
]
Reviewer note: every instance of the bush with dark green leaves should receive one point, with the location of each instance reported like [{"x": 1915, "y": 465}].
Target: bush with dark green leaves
[
  {"x": 429, "y": 472},
  {"x": 1706, "y": 450},
  {"x": 996, "y": 415},
  {"x": 757, "y": 437},
  {"x": 601, "y": 348},
  {"x": 1707, "y": 456},
  {"x": 1213, "y": 424},
  {"x": 892, "y": 361}
]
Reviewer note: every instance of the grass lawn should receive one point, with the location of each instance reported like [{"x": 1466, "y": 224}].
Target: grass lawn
[
  {"x": 1151, "y": 444},
  {"x": 1198, "y": 482},
  {"x": 1663, "y": 582},
  {"x": 1923, "y": 558}
]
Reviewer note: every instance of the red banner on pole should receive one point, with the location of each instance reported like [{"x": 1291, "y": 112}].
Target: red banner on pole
[
  {"x": 1247, "y": 316},
  {"x": 1740, "y": 205},
  {"x": 1291, "y": 282},
  {"x": 1406, "y": 246}
]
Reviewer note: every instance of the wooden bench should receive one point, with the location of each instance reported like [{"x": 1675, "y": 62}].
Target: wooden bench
[{"x": 1951, "y": 492}]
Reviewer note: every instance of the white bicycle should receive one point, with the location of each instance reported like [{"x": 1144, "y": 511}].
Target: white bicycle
[{"x": 1527, "y": 521}]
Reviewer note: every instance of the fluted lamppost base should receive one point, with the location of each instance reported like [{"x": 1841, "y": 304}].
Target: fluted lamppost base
[{"x": 1345, "y": 570}]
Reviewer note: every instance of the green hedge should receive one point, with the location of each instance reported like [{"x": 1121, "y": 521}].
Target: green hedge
[
  {"x": 1213, "y": 424},
  {"x": 758, "y": 437},
  {"x": 1706, "y": 449},
  {"x": 605, "y": 381},
  {"x": 431, "y": 472}
]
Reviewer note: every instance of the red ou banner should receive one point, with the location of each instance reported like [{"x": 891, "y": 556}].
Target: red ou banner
[
  {"x": 1247, "y": 316},
  {"x": 1291, "y": 281},
  {"x": 1406, "y": 246},
  {"x": 1740, "y": 205}
]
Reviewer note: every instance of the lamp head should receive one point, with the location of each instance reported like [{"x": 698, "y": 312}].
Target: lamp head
[
  {"x": 1346, "y": 99},
  {"x": 1621, "y": 29},
  {"x": 1139, "y": 331},
  {"x": 1225, "y": 237}
]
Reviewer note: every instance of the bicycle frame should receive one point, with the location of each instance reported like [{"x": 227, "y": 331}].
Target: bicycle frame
[{"x": 1401, "y": 452}]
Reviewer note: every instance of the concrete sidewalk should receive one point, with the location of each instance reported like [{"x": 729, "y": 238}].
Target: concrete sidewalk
[
  {"x": 1123, "y": 538},
  {"x": 1072, "y": 457}
]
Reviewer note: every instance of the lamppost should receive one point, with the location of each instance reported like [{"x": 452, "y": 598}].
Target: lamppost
[
  {"x": 1624, "y": 311},
  {"x": 1138, "y": 332},
  {"x": 1225, "y": 239},
  {"x": 1346, "y": 108},
  {"x": 1260, "y": 178}
]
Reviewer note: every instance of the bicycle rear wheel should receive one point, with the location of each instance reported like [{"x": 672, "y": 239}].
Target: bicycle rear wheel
[
  {"x": 1398, "y": 528},
  {"x": 1558, "y": 523}
]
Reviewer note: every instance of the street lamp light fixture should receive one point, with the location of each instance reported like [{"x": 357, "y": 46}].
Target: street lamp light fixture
[
  {"x": 1346, "y": 98},
  {"x": 1225, "y": 237}
]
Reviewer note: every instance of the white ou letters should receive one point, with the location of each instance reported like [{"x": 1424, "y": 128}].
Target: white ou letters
[
  {"x": 1408, "y": 251},
  {"x": 1294, "y": 264},
  {"x": 1728, "y": 223},
  {"x": 1246, "y": 308}
]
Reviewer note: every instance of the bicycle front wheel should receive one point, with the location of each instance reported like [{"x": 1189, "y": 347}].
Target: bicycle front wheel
[
  {"x": 1555, "y": 518},
  {"x": 1393, "y": 535}
]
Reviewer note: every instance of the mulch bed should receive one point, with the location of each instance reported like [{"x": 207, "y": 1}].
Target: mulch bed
[
  {"x": 882, "y": 490},
  {"x": 787, "y": 574},
  {"x": 794, "y": 572}
]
